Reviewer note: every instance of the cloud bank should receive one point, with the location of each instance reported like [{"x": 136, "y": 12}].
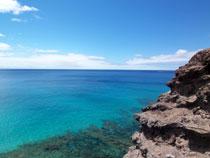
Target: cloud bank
[
  {"x": 13, "y": 6},
  {"x": 180, "y": 55},
  {"x": 53, "y": 59}
]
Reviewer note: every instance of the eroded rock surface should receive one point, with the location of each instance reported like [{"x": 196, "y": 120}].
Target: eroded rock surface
[{"x": 178, "y": 124}]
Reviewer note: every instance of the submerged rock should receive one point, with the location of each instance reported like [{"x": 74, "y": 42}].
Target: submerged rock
[
  {"x": 178, "y": 124},
  {"x": 109, "y": 141}
]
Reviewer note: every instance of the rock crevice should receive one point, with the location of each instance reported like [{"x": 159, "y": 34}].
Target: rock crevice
[{"x": 178, "y": 124}]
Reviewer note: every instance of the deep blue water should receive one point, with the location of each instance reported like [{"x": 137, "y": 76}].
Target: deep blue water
[{"x": 37, "y": 104}]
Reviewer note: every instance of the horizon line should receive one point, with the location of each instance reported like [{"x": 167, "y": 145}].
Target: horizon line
[{"x": 83, "y": 69}]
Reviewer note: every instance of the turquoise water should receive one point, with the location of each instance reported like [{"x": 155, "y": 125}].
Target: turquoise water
[{"x": 37, "y": 104}]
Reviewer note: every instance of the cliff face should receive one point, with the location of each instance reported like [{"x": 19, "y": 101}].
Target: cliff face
[{"x": 178, "y": 124}]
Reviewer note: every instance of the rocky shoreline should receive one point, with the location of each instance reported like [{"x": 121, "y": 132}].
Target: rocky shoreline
[{"x": 178, "y": 124}]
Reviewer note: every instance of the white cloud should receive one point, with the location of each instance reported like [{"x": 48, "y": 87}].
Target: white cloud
[
  {"x": 53, "y": 59},
  {"x": 13, "y": 6},
  {"x": 5, "y": 49},
  {"x": 17, "y": 20},
  {"x": 37, "y": 17},
  {"x": 2, "y": 35},
  {"x": 56, "y": 61},
  {"x": 46, "y": 51},
  {"x": 180, "y": 57}
]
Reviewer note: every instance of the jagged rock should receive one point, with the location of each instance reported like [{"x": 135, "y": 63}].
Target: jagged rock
[{"x": 178, "y": 124}]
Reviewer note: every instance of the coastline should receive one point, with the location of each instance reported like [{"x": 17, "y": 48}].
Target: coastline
[{"x": 178, "y": 124}]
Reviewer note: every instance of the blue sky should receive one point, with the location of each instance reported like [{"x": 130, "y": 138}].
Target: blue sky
[{"x": 102, "y": 34}]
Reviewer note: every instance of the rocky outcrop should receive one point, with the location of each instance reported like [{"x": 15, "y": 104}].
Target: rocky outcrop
[{"x": 178, "y": 124}]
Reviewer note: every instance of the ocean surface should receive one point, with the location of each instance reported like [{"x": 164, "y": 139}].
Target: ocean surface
[{"x": 37, "y": 104}]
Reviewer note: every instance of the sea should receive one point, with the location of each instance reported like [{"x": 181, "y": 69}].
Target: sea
[{"x": 39, "y": 104}]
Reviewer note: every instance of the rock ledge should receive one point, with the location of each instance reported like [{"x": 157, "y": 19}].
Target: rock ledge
[{"x": 178, "y": 124}]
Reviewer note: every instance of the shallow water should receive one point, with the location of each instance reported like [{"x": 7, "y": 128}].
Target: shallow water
[{"x": 37, "y": 104}]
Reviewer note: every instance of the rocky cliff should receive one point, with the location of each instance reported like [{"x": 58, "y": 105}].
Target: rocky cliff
[{"x": 178, "y": 124}]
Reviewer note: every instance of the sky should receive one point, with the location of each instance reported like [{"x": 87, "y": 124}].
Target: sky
[{"x": 102, "y": 34}]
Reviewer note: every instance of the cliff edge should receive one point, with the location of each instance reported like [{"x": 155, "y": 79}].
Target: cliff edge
[{"x": 178, "y": 124}]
